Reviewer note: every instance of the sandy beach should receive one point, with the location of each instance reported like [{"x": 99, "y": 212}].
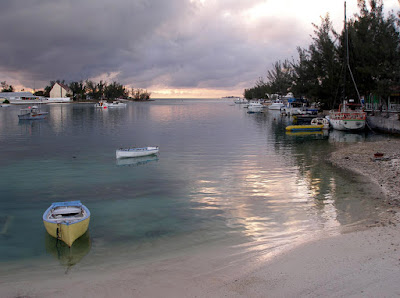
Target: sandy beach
[{"x": 363, "y": 263}]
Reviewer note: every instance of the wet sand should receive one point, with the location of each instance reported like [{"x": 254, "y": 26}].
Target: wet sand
[{"x": 359, "y": 264}]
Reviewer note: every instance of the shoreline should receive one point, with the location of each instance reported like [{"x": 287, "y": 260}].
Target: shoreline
[
  {"x": 356, "y": 263},
  {"x": 383, "y": 171}
]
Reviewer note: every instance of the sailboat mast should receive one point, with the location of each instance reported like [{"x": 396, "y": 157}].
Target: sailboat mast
[
  {"x": 347, "y": 51},
  {"x": 346, "y": 32}
]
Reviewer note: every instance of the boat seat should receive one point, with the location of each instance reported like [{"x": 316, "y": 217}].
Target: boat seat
[{"x": 68, "y": 210}]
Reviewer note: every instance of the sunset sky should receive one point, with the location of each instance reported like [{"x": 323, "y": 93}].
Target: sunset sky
[{"x": 174, "y": 48}]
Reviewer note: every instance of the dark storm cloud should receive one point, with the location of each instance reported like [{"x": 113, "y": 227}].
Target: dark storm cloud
[{"x": 179, "y": 43}]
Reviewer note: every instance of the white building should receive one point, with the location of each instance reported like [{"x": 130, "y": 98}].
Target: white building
[
  {"x": 60, "y": 91},
  {"x": 21, "y": 97}
]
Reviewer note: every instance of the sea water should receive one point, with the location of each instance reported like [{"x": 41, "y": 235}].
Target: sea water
[{"x": 222, "y": 177}]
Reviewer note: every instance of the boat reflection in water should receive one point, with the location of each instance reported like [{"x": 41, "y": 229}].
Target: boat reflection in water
[
  {"x": 136, "y": 161},
  {"x": 68, "y": 256},
  {"x": 338, "y": 136},
  {"x": 322, "y": 133}
]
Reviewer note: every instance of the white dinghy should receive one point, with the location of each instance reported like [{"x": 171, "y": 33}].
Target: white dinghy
[{"x": 136, "y": 152}]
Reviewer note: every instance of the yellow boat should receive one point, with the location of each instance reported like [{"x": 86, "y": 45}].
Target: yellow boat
[
  {"x": 304, "y": 133},
  {"x": 298, "y": 128},
  {"x": 66, "y": 221}
]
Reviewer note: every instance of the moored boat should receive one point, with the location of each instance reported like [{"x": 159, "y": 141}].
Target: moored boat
[
  {"x": 240, "y": 100},
  {"x": 32, "y": 113},
  {"x": 102, "y": 104},
  {"x": 349, "y": 117},
  {"x": 276, "y": 105},
  {"x": 116, "y": 104},
  {"x": 135, "y": 152},
  {"x": 255, "y": 107},
  {"x": 320, "y": 121},
  {"x": 66, "y": 221}
]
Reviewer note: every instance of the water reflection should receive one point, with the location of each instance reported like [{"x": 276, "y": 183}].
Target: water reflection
[
  {"x": 345, "y": 136},
  {"x": 323, "y": 133},
  {"x": 136, "y": 161},
  {"x": 32, "y": 127},
  {"x": 68, "y": 256},
  {"x": 223, "y": 173}
]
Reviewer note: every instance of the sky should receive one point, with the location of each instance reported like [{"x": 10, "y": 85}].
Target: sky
[{"x": 172, "y": 48}]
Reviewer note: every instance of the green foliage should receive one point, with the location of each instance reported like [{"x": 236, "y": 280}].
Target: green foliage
[
  {"x": 260, "y": 90},
  {"x": 39, "y": 93},
  {"x": 140, "y": 94},
  {"x": 78, "y": 90},
  {"x": 280, "y": 78},
  {"x": 6, "y": 87},
  {"x": 374, "y": 57},
  {"x": 89, "y": 89}
]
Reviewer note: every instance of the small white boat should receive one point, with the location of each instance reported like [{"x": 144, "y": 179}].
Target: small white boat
[
  {"x": 240, "y": 100},
  {"x": 276, "y": 105},
  {"x": 135, "y": 152},
  {"x": 32, "y": 113},
  {"x": 102, "y": 104},
  {"x": 66, "y": 221},
  {"x": 255, "y": 107},
  {"x": 320, "y": 121},
  {"x": 117, "y": 104}
]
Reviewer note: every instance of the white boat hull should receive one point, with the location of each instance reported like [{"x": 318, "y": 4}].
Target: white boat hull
[
  {"x": 275, "y": 106},
  {"x": 117, "y": 104},
  {"x": 348, "y": 125},
  {"x": 136, "y": 152}
]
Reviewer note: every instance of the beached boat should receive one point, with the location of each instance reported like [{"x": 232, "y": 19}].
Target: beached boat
[
  {"x": 295, "y": 128},
  {"x": 136, "y": 152},
  {"x": 66, "y": 221},
  {"x": 32, "y": 113},
  {"x": 320, "y": 121},
  {"x": 116, "y": 104}
]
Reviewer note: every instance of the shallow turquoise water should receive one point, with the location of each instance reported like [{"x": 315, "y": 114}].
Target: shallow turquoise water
[{"x": 222, "y": 176}]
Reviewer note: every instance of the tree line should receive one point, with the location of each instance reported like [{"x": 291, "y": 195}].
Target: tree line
[
  {"x": 319, "y": 73},
  {"x": 84, "y": 90}
]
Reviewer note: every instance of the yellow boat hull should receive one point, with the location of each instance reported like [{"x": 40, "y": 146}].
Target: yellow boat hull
[
  {"x": 67, "y": 233},
  {"x": 298, "y": 128}
]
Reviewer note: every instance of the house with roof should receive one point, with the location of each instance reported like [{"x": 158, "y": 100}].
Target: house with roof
[{"x": 60, "y": 90}]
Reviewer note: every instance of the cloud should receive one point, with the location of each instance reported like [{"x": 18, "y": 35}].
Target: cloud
[{"x": 209, "y": 44}]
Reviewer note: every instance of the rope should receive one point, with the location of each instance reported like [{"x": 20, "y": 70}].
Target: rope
[
  {"x": 366, "y": 122},
  {"x": 58, "y": 231}
]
